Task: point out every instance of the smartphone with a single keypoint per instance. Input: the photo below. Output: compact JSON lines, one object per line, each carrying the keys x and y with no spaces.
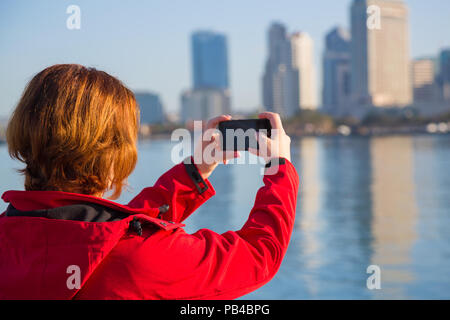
{"x":239,"y":135}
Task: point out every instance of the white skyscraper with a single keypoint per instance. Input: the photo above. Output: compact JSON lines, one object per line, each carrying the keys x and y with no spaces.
{"x":303,"y":62}
{"x":380,"y":53}
{"x":289,"y":78}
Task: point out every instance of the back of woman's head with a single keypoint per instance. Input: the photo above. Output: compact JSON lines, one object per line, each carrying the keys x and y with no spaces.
{"x":75,"y":129}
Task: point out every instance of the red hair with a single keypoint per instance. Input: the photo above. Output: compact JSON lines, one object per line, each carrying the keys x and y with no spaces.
{"x":75,"y":129}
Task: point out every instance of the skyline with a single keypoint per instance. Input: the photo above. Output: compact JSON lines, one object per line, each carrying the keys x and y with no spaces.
{"x":162,"y":63}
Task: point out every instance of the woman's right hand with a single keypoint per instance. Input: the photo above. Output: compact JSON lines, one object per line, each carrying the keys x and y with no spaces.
{"x":207,"y":163}
{"x":278,"y":145}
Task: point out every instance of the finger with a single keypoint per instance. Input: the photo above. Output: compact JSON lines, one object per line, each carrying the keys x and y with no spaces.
{"x":216,"y":145}
{"x":208,"y":138}
{"x":215,"y":121}
{"x":253,"y":151}
{"x":214,"y":138}
{"x":264,"y":142}
{"x":224,"y":155}
{"x":215,"y":141}
{"x":274,"y":118}
{"x":228,"y":155}
{"x":211,"y":136}
{"x":264,"y":145}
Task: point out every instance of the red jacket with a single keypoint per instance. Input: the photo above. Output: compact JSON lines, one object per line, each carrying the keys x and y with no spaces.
{"x":150,"y":259}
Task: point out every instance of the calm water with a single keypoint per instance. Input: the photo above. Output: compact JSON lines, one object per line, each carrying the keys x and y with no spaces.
{"x":363,"y":201}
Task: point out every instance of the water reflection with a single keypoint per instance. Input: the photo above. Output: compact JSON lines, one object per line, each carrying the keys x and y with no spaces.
{"x":347,"y":212}
{"x":309,"y":202}
{"x":431,"y":253}
{"x":394,"y":212}
{"x":334,"y":216}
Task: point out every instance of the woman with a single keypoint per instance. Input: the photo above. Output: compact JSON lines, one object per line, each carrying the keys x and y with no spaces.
{"x":75,"y":129}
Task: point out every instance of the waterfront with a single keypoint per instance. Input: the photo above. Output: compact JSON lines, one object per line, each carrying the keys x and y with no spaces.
{"x":363,"y":201}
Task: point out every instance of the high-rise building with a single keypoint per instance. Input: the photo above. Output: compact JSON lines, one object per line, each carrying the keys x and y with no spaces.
{"x":151,"y":108}
{"x":336,"y":71}
{"x":380,"y":53}
{"x":289,"y":81}
{"x":277,"y":70}
{"x":444,"y":74}
{"x":210,"y":95}
{"x":209,"y":60}
{"x":423,"y":77}
{"x":204,"y":104}
{"x":302,"y":53}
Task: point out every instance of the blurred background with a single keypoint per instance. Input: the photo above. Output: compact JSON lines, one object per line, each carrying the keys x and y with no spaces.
{"x":363,"y":87}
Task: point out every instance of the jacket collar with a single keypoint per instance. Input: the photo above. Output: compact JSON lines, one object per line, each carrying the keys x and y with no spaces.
{"x":38,"y":200}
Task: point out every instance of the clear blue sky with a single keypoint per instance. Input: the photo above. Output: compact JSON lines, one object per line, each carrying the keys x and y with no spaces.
{"x":146,"y":43}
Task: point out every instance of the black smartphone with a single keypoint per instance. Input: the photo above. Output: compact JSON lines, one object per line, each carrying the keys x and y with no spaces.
{"x":239,"y":135}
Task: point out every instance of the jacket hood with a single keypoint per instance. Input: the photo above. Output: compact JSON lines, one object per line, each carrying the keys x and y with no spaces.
{"x":45,"y":236}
